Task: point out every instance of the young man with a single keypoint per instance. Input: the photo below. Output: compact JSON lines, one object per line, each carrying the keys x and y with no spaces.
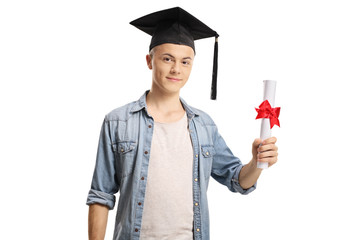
{"x":159,"y":152}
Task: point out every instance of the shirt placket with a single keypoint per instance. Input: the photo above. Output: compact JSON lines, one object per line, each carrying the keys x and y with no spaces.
{"x":196,"y":183}
{"x":143,"y":178}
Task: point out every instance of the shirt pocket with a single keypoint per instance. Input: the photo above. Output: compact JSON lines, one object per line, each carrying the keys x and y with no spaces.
{"x":207,"y":152}
{"x":125,"y":161}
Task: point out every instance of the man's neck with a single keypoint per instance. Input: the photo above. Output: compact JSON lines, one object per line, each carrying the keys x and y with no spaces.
{"x":164,"y":107}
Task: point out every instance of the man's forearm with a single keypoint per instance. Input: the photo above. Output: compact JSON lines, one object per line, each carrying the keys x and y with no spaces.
{"x":98,"y":215}
{"x":249,"y":174}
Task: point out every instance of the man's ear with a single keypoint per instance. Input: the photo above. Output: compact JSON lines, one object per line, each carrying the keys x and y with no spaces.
{"x":149,"y":61}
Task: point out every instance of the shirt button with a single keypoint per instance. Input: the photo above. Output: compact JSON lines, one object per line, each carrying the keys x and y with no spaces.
{"x":196,"y":179}
{"x":142,"y":178}
{"x":149,"y":126}
{"x":207,"y":153}
{"x":122,"y":150}
{"x":139,"y":203}
{"x":136,"y":230}
{"x":196,"y":204}
{"x":198,"y":229}
{"x":146,"y":152}
{"x":196,"y":155}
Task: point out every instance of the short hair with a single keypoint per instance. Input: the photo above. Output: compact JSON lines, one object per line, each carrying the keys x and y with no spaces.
{"x":152,"y":52}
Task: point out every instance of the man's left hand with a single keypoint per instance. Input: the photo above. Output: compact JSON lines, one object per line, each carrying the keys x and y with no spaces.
{"x":265,"y":151}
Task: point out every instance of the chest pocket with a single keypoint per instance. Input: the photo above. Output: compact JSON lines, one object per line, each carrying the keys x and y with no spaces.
{"x":125,"y":152}
{"x":207,"y":153}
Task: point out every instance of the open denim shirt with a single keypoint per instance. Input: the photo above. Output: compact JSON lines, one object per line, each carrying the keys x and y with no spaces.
{"x":123,"y":159}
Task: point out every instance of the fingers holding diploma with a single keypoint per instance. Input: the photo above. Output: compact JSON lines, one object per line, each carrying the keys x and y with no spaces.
{"x":265,"y":151}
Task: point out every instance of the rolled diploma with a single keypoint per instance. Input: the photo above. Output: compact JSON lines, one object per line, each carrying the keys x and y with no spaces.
{"x":265,"y":131}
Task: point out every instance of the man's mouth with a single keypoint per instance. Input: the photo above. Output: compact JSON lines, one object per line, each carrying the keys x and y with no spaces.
{"x":174,"y":79}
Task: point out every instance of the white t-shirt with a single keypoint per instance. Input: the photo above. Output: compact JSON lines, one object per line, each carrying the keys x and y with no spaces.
{"x":168,"y":205}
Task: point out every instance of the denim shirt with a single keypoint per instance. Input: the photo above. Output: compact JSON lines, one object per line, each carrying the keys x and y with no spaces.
{"x":123,"y":159}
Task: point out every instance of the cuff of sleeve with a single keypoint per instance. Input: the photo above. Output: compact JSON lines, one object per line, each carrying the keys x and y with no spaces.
{"x":101,"y":198}
{"x":236,"y":185}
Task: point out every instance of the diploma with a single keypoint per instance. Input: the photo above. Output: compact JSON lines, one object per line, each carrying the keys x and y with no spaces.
{"x":268,"y":114}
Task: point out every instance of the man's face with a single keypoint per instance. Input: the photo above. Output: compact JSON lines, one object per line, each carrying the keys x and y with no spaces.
{"x":171,"y":65}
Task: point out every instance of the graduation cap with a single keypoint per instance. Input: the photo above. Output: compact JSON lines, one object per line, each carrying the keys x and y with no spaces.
{"x":177,"y":26}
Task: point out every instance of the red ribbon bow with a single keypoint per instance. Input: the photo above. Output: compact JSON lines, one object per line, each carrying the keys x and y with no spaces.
{"x":266,"y":111}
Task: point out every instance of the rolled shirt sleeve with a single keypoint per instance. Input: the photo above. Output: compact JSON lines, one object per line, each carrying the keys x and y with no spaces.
{"x":104,"y":183}
{"x":101,"y":198}
{"x":236,"y":185}
{"x":226,"y":167}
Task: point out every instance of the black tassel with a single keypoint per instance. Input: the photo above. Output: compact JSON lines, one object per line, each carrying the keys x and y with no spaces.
{"x":215,"y":68}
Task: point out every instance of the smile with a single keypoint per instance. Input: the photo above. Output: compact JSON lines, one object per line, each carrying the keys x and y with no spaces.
{"x":174,"y":79}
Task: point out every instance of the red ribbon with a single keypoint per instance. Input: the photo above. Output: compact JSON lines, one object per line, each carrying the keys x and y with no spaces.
{"x":266,"y":111}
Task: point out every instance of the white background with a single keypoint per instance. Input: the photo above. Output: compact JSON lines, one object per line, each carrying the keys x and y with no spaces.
{"x":65,"y":64}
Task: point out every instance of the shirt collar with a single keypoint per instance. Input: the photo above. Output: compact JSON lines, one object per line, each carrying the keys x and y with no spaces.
{"x":141,"y":104}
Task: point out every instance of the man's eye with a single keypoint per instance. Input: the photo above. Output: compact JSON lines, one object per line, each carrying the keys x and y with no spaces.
{"x":186,"y":62}
{"x":166,"y":59}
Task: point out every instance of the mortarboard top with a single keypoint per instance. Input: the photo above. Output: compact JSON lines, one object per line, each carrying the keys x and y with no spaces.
{"x":177,"y":26}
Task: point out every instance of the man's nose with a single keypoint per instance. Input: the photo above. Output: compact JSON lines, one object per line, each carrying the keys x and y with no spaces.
{"x":175,"y":68}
